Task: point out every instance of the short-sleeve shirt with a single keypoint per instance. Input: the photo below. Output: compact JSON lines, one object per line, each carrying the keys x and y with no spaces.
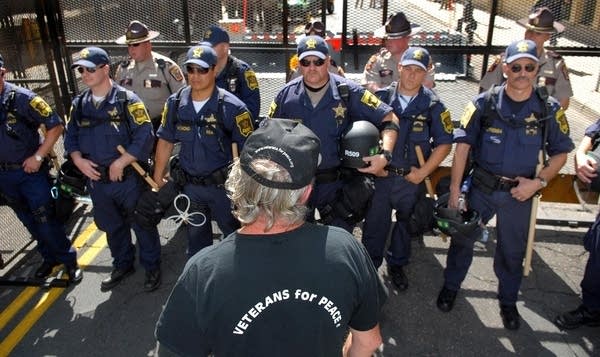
{"x":238,"y":78}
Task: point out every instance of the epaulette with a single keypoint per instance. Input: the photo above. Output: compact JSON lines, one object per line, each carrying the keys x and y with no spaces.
{"x":553,"y":54}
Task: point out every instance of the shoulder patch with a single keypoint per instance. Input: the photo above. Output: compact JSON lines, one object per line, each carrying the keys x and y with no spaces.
{"x":370,"y":100}
{"x":272,"y":109}
{"x":561,"y":119}
{"x":251,"y":80}
{"x":497,"y":62}
{"x":40,"y":106}
{"x":244,"y":123}
{"x":294,"y":62}
{"x":467,"y":115}
{"x":446,"y":121}
{"x":138,"y":113}
{"x":175,"y":72}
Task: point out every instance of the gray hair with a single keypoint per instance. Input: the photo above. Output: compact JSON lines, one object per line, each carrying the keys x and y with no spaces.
{"x":250,"y":199}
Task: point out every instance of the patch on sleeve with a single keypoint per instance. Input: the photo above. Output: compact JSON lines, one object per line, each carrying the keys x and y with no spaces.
{"x":251,"y":80}
{"x":175,"y":72}
{"x":272,"y":109}
{"x":40,"y":106}
{"x":370,"y":99}
{"x":561,"y":119}
{"x":244,"y":123}
{"x":467,"y":114}
{"x":138,"y":113}
{"x":497,"y":62}
{"x":294,"y":62}
{"x":447,"y":121}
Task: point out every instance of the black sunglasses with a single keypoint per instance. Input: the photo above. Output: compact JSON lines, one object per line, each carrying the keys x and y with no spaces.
{"x":318,"y":62}
{"x":196,"y":69}
{"x":80,"y":69}
{"x":516,"y":68}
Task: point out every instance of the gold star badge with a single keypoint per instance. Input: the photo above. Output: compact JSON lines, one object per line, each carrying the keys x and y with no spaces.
{"x":340,"y":111}
{"x":207,"y":34}
{"x":311,"y":43}
{"x":418,"y":54}
{"x":84,"y":53}
{"x":197,"y":52}
{"x":522,"y":46}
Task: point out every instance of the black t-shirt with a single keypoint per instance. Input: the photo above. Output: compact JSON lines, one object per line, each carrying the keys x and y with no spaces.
{"x":290,"y":294}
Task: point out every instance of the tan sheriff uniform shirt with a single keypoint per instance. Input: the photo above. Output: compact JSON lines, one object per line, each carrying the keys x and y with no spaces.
{"x":553,"y":73}
{"x":149,"y":81}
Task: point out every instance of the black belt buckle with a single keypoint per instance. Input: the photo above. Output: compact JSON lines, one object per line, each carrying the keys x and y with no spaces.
{"x":396,"y":171}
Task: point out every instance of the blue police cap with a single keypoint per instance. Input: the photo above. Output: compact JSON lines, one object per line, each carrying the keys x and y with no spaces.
{"x":201,"y":55}
{"x":521,"y":49}
{"x":416,"y":56}
{"x":215,"y":35}
{"x":312,"y":46}
{"x":91,"y":57}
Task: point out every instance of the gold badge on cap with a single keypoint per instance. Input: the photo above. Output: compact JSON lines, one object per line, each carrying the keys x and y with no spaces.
{"x":197,"y":52}
{"x":84,"y":53}
{"x":311,"y":43}
{"x":418,"y":55}
{"x":522,"y":46}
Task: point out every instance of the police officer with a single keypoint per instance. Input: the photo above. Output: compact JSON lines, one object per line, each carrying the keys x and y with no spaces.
{"x":327,"y":103}
{"x":152,"y":76}
{"x":382,"y":68}
{"x":233,"y":74}
{"x":506,"y":139}
{"x":426,"y":123}
{"x":24,"y":181}
{"x":588,"y":312}
{"x":211,"y":124}
{"x":553,"y":72}
{"x":103,"y":117}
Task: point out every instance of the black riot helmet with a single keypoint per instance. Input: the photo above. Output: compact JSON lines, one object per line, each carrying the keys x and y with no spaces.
{"x":71,"y":180}
{"x":361,"y":139}
{"x":451,"y":221}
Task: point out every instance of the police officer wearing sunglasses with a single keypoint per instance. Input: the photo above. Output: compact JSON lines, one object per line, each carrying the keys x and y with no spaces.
{"x":505,"y":143}
{"x":101,"y":118}
{"x":211,"y":124}
{"x":553,"y":72}
{"x":327,"y":104}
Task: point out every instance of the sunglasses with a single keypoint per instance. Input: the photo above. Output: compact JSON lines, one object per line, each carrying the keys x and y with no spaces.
{"x":318,"y":62}
{"x":136,"y":44}
{"x":516,"y":68}
{"x":196,"y":69}
{"x":81,"y":69}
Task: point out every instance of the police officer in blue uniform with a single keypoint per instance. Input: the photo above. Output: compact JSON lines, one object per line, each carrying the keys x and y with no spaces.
{"x":211,"y":124}
{"x":24,"y":181}
{"x":505,"y":130}
{"x":233,"y":74}
{"x":588,"y":312}
{"x":101,"y":118}
{"x":425,"y":122}
{"x":327,"y":103}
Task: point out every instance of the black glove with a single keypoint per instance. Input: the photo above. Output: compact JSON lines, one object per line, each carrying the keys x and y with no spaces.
{"x":421,"y":219}
{"x":167,"y":194}
{"x":148,"y":211}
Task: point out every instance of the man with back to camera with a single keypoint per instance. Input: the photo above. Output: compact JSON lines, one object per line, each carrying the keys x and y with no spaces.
{"x":425,"y":122}
{"x":553,"y":72}
{"x":505,"y":140}
{"x":24,"y":182}
{"x":152,"y":76}
{"x":266,"y":289}
{"x":327,"y":104}
{"x":233,"y":74}
{"x":101,"y":118}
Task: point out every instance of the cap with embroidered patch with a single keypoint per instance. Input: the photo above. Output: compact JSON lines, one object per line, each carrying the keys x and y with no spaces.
{"x":312,"y":46}
{"x":417,"y":56}
{"x":288,"y":143}
{"x":215,"y":35}
{"x":541,"y":20}
{"x":201,"y":55}
{"x":91,"y":57}
{"x":520,"y":49}
{"x":137,"y":32}
{"x":396,"y":26}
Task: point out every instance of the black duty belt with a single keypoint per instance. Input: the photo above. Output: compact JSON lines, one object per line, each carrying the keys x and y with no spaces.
{"x":488,"y":182}
{"x":9,"y":166}
{"x":328,"y":175}
{"x":216,"y":177}
{"x":395,"y":171}
{"x":105,"y":173}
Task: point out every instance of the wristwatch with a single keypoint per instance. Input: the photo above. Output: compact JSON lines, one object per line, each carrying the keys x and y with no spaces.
{"x":387,"y":154}
{"x":38,"y":158}
{"x":543,"y":182}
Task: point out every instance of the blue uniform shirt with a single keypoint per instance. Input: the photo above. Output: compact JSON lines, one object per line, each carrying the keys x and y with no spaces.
{"x":96,"y":131}
{"x":511,"y":148}
{"x":204,"y":147}
{"x":593,"y":130}
{"x":423,"y":119}
{"x":332,"y":115}
{"x":19,"y":120}
{"x":246,"y":84}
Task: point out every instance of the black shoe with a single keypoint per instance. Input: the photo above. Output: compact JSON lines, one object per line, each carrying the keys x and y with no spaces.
{"x":398,"y":277}
{"x":75,"y":274}
{"x":445,"y":300}
{"x":510,"y":317}
{"x":152,"y":281}
{"x":578,"y":317}
{"x":45,"y":269}
{"x":115,"y":278}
